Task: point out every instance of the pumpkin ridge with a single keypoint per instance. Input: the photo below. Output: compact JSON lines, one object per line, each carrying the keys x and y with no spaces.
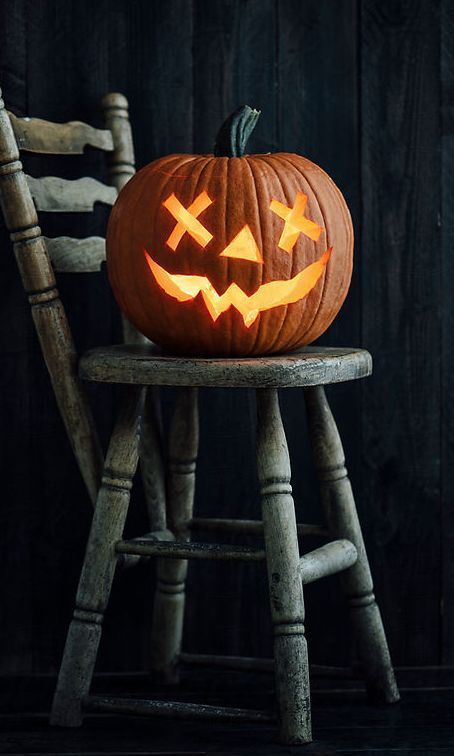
{"x":221,"y":200}
{"x":240,"y":192}
{"x":250,"y":162}
{"x":286,"y":192}
{"x":201,"y":182}
{"x":289,"y":195}
{"x":137,"y":281}
{"x":167,"y":178}
{"x":326,"y":273}
{"x":114,"y":266}
{"x":329,"y":317}
{"x":341,"y":204}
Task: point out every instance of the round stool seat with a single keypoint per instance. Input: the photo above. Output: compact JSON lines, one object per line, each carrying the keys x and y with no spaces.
{"x":147,"y":365}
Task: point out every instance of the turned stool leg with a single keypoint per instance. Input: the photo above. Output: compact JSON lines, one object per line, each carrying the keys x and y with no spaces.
{"x":340,"y":511}
{"x":99,"y":566}
{"x":168,"y":611}
{"x":285,"y":586}
{"x":151,"y":461}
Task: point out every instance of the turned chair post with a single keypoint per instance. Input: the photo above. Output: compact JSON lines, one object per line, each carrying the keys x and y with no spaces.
{"x":121,"y":168}
{"x":121,"y":162}
{"x":168,"y":611}
{"x":342,"y":518}
{"x":47,"y":309}
{"x":100,"y":561}
{"x":283,"y":566}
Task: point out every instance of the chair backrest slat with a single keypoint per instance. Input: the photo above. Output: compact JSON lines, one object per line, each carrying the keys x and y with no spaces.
{"x":45,"y":137}
{"x":70,"y":255}
{"x":48,"y":313}
{"x":56,"y":195}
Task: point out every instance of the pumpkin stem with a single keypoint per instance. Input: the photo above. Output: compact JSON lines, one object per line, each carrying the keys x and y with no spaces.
{"x":235,"y":131}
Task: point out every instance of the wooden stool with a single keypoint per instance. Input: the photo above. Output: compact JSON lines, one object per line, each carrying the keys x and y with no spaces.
{"x":311,"y":368}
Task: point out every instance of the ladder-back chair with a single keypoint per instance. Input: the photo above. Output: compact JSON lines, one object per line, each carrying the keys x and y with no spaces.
{"x":38,"y":257}
{"x":140,"y":367}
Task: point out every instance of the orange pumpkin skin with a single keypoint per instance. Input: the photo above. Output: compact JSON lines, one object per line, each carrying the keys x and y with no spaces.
{"x":241,"y":190}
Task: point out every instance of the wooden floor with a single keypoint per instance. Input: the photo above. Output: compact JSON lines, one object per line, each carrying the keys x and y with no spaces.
{"x":343,"y":722}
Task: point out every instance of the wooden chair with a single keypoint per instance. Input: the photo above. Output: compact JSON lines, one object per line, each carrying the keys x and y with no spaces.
{"x":140,"y":368}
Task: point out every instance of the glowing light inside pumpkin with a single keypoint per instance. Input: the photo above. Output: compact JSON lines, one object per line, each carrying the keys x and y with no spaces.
{"x":244,"y":247}
{"x":295,"y":222}
{"x":187,"y":220}
{"x":268,"y":295}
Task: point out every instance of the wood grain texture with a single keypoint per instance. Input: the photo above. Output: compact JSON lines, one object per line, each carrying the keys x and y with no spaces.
{"x":172,"y":709}
{"x":291,"y":666}
{"x":145,"y":365}
{"x":447,"y":333}
{"x":176,"y":551}
{"x":318,"y":75}
{"x":400,"y":283}
{"x":233,"y":62}
{"x":327,"y":560}
{"x":99,"y":564}
{"x":47,"y":310}
{"x":170,"y":595}
{"x":342,"y":518}
{"x":45,"y":137}
{"x":56,"y":195}
{"x":70,"y":255}
{"x":247,"y":527}
{"x":356,"y":86}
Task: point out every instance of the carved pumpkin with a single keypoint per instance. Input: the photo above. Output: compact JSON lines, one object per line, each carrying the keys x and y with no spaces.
{"x":230,"y":254}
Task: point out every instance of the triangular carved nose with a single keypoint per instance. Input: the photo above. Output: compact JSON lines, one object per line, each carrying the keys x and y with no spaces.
{"x":244,"y":247}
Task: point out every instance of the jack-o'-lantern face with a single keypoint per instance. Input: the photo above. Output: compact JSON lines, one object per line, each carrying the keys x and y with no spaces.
{"x":243,"y":246}
{"x":217,"y":255}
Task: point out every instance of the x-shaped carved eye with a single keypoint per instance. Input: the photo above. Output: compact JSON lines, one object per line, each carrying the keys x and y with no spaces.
{"x":187,"y":220}
{"x":243,"y":245}
{"x":295,"y":222}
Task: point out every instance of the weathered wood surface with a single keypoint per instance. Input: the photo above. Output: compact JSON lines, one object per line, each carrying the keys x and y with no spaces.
{"x":423,"y":724}
{"x":122,"y":159}
{"x":169,"y":600}
{"x":172,"y":709}
{"x":342,"y":518}
{"x":121,"y":167}
{"x":390,"y":102}
{"x":99,"y":565}
{"x":45,"y":137}
{"x":247,"y":527}
{"x":447,"y":332}
{"x":146,"y":365}
{"x":327,"y":560}
{"x":403,"y":408}
{"x":152,"y":459}
{"x":47,"y":310}
{"x":291,"y":665}
{"x":258,"y":664}
{"x":52,"y":194}
{"x":126,"y":560}
{"x":216,"y":551}
{"x":70,"y":255}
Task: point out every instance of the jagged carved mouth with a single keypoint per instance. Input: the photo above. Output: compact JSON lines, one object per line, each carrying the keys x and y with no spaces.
{"x":272,"y":294}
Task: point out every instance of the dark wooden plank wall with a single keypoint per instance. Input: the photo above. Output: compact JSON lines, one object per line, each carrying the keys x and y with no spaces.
{"x":400,"y":284}
{"x":356,"y":87}
{"x":447,"y":331}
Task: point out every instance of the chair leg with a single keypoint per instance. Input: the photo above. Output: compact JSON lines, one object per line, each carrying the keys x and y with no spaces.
{"x":99,"y":566}
{"x":151,"y":460}
{"x":342,"y":518}
{"x":168,"y":610}
{"x":285,"y":586}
